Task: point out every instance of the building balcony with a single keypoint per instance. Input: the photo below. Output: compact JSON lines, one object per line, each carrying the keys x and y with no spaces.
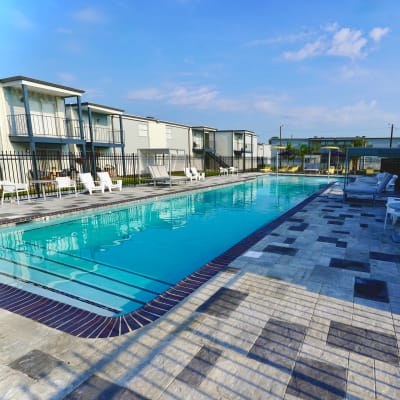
{"x":102,"y":134}
{"x":43,"y":126}
{"x":46,"y":128}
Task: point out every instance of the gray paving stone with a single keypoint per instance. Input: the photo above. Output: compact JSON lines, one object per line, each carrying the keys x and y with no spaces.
{"x":197,"y":369}
{"x":312,"y":379}
{"x":278,"y":344}
{"x":96,"y":388}
{"x":36,"y":364}
{"x":223,"y":302}
{"x":379,"y":346}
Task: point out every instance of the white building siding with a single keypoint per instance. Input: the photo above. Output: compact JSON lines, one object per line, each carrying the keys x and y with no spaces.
{"x":223,"y":144}
{"x":134,"y":135}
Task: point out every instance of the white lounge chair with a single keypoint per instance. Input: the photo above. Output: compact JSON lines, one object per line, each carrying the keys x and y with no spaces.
{"x":89,"y":184}
{"x":391,"y":186}
{"x":189,"y":175}
{"x":392,"y":210}
{"x":363,"y":188}
{"x":223,"y":171}
{"x":198,"y":175}
{"x":108,"y":183}
{"x":234,"y":170}
{"x":11,"y":188}
{"x":159,"y":173}
{"x":64,"y":182}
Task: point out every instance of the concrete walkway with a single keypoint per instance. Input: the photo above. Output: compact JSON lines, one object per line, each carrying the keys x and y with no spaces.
{"x":310,"y":310}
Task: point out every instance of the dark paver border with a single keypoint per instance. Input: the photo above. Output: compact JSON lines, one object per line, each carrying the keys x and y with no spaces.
{"x":86,"y":324}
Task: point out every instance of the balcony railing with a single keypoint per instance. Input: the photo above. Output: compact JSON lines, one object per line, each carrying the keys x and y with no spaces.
{"x":61,"y":128}
{"x":43,"y":125}
{"x":106,"y":135}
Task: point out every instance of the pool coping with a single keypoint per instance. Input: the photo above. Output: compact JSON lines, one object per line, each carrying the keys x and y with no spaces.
{"x":87,"y":324}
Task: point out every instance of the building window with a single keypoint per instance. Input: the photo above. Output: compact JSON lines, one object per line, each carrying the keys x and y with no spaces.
{"x":143,"y":130}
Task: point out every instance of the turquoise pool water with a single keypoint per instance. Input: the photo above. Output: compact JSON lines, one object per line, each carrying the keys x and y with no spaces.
{"x":114,"y":261}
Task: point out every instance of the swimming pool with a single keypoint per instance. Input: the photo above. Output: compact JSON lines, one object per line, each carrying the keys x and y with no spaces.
{"x":113,"y":262}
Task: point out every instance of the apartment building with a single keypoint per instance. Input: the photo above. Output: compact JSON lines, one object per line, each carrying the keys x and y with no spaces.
{"x":40,"y":119}
{"x":33,"y":116}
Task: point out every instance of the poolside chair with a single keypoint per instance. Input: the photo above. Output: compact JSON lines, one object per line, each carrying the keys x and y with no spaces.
{"x":392,"y":210}
{"x":64,"y":182}
{"x":89,"y":184}
{"x":160,"y":174}
{"x":330,"y":170}
{"x":390,"y":187}
{"x":108,"y":183}
{"x":11,"y":188}
{"x":367,"y":189}
{"x":189,"y":175}
{"x":223,"y":171}
{"x":234,"y":170}
{"x":198,"y":175}
{"x":266,"y":169}
{"x":293,"y":169}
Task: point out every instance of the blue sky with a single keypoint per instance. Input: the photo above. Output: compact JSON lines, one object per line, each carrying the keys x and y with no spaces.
{"x":317,"y":67}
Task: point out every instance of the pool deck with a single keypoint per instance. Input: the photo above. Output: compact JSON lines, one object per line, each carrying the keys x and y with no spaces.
{"x":307,"y":307}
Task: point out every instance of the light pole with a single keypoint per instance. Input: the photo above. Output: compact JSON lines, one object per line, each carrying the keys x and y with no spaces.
{"x":280,"y":135}
{"x":391,"y":136}
{"x":278,"y":149}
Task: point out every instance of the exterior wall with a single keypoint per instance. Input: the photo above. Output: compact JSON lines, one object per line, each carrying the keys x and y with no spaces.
{"x":136,"y":134}
{"x":179,"y":137}
{"x":264,"y":150}
{"x":157,"y":135}
{"x":223,"y":143}
{"x":142,"y":133}
{"x":5,"y":144}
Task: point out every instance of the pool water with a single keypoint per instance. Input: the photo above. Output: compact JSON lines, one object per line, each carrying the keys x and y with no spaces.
{"x":114,"y":261}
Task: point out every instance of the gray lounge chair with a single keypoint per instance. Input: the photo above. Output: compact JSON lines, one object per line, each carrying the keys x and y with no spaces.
{"x":367,"y":189}
{"x":160,"y":174}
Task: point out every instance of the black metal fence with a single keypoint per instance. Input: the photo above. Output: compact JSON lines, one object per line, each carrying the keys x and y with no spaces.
{"x":28,"y":167}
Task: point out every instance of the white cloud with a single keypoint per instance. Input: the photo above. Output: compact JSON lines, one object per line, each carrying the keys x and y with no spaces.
{"x":337,"y":42}
{"x":347,"y":43}
{"x":200,"y":97}
{"x":309,"y":50}
{"x":274,"y":105}
{"x":89,"y":14}
{"x":376,"y":34}
{"x":293,"y":38}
